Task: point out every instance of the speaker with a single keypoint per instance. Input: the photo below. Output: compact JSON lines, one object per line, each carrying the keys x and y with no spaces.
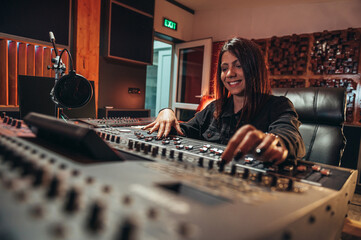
{"x":129,"y":31}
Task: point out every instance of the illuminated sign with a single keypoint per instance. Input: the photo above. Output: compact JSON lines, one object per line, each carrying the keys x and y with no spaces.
{"x":169,"y":24}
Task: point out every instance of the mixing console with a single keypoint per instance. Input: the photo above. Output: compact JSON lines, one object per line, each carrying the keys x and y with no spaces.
{"x":172,"y":188}
{"x":207,"y":155}
{"x":14,"y":127}
{"x":116,"y":121}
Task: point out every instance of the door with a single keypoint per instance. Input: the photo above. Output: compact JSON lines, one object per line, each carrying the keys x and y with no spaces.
{"x":163,"y":79}
{"x":159,"y":77}
{"x":192,"y":62}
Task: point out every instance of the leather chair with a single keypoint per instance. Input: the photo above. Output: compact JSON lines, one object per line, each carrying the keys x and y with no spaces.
{"x":322,"y":113}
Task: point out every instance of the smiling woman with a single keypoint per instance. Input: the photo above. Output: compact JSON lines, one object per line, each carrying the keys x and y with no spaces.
{"x":241,"y":61}
{"x":245,"y":115}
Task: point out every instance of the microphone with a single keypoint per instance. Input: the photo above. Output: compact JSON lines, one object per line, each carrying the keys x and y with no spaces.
{"x":71,"y":90}
{"x":52,"y":37}
{"x":52,"y":40}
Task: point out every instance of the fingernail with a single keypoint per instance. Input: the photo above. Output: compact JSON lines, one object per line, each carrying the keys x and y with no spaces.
{"x":238,"y":156}
{"x":259,"y":151}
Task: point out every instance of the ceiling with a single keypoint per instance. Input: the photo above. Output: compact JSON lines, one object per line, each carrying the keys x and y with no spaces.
{"x":199,"y":5}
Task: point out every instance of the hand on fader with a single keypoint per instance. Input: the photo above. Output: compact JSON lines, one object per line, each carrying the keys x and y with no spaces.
{"x":164,"y":122}
{"x":248,"y":139}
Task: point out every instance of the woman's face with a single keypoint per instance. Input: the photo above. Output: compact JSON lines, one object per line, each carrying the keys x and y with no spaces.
{"x":232,"y":74}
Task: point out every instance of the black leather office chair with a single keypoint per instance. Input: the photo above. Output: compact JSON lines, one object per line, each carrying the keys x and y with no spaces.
{"x":322,"y":113}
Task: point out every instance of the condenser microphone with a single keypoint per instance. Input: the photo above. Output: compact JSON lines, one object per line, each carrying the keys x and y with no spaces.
{"x":70,"y":90}
{"x":52,"y":37}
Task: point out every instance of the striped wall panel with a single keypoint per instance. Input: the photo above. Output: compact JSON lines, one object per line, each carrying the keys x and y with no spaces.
{"x":21,"y":58}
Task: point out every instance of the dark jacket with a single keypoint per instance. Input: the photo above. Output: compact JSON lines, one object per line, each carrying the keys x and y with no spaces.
{"x":277,"y":116}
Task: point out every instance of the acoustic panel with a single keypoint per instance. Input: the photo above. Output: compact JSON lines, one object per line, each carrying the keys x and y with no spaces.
{"x":130,"y":35}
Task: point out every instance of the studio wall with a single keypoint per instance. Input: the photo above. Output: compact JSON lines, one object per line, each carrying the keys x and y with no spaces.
{"x":184,"y":20}
{"x":275,"y":18}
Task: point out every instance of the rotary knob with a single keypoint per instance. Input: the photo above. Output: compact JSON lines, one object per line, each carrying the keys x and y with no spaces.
{"x":95,"y":220}
{"x":245,"y":174}
{"x":40,"y":176}
{"x":108,"y":137}
{"x":221,"y":165}
{"x":180,"y":156}
{"x":155,"y":151}
{"x":200,"y":162}
{"x":128,"y":229}
{"x":72,"y":200}
{"x":210,"y":164}
{"x":171,"y":154}
{"x":233,"y":170}
{"x":54,"y":187}
{"x":145,"y":149}
{"x":28,"y":167}
{"x":130,"y":144}
{"x":137,"y":146}
{"x":164,"y":152}
{"x":259,"y":177}
{"x":6,"y":119}
{"x":14,"y":122}
{"x":290,"y":185}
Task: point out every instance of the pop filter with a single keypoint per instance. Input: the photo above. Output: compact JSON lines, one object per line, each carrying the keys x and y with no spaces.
{"x":73,"y":90}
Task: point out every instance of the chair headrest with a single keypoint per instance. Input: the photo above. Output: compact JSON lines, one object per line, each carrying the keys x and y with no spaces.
{"x":318,"y":105}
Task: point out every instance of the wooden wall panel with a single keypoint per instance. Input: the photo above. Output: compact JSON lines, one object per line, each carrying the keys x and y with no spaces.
{"x":3,"y":72}
{"x":22,"y":59}
{"x":30,"y":68}
{"x":86,"y":36}
{"x":13,"y":72}
{"x":47,"y":62}
{"x":39,"y":61}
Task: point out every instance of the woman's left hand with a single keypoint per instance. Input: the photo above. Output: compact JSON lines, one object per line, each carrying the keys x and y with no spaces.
{"x":248,"y":139}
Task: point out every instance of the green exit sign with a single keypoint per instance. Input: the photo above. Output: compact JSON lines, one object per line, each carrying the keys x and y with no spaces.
{"x":169,"y":24}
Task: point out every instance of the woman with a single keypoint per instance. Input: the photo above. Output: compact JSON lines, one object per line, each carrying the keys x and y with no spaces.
{"x":245,"y":115}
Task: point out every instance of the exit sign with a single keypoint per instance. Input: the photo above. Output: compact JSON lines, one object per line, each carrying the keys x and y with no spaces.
{"x":169,"y":24}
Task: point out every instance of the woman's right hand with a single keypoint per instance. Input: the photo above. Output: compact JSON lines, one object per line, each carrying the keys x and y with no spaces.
{"x":164,"y":122}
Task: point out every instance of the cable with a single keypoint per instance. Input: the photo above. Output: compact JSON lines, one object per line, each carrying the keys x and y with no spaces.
{"x":70,"y":62}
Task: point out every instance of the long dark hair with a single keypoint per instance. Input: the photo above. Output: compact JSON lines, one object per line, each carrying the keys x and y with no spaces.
{"x":257,"y":84}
